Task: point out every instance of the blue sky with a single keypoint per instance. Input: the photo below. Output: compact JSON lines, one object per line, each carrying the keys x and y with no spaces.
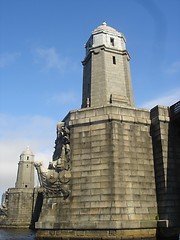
{"x":41,"y":49}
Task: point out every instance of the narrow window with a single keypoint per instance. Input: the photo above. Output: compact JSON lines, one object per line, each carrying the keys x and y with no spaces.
{"x":114,"y":60}
{"x":27,"y":158}
{"x":26,"y":186}
{"x":112,"y":41}
{"x":88,"y":89}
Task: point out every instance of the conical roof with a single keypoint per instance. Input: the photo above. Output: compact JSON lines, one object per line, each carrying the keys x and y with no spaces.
{"x":105,"y":28}
{"x":27,"y":151}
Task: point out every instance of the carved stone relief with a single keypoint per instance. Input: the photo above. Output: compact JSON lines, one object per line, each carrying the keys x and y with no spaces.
{"x":55,"y":180}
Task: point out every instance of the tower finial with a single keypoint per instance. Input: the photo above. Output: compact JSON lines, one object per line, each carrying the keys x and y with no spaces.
{"x":104,"y":23}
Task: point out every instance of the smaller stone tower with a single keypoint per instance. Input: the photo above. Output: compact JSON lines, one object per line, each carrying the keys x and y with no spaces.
{"x":19,"y":201}
{"x":25,"y":175}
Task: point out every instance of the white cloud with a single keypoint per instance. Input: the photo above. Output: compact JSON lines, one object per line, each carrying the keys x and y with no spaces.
{"x":8,"y":58}
{"x":51,"y":58}
{"x":18,"y":132}
{"x":167,"y":99}
{"x":174,"y":68}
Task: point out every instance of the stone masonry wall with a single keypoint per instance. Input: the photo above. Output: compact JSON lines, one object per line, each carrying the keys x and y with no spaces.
{"x":19,"y":208}
{"x":86,"y":82}
{"x":112,"y":169}
{"x":98,"y":80}
{"x":112,"y":184}
{"x":166,"y":142}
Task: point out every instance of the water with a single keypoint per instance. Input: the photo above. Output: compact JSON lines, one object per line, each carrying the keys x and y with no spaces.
{"x":20,"y":234}
{"x":24,"y":234}
{"x":17,"y":234}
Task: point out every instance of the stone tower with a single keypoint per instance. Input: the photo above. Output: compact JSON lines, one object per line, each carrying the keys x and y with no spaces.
{"x":25,"y":175}
{"x":106,"y":69}
{"x":19,"y":201}
{"x":111,"y":183}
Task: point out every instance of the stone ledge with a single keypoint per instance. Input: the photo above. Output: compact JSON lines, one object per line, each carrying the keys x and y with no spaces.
{"x":108,"y":112}
{"x":103,"y":225}
{"x":97,"y":234}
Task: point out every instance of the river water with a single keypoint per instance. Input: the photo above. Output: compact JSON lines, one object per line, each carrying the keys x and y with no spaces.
{"x":17,"y":234}
{"x":21,"y":234}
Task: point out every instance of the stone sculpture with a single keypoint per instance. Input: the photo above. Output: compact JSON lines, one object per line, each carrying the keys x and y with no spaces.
{"x":54,"y":181}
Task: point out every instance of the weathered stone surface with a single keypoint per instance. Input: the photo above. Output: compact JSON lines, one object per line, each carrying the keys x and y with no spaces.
{"x":19,"y":208}
{"x":112,"y":184}
{"x":166,"y":142}
{"x":98,"y":234}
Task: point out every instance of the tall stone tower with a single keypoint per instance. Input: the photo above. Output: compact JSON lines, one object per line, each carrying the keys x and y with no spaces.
{"x":25,"y":175}
{"x":104,"y":155}
{"x":106,"y":69}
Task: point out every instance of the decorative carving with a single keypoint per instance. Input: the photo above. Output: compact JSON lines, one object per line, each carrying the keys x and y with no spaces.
{"x":62,"y":140}
{"x":4,"y":204}
{"x":55,"y":180}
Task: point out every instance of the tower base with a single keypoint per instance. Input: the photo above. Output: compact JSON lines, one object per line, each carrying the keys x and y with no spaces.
{"x":103,"y":234}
